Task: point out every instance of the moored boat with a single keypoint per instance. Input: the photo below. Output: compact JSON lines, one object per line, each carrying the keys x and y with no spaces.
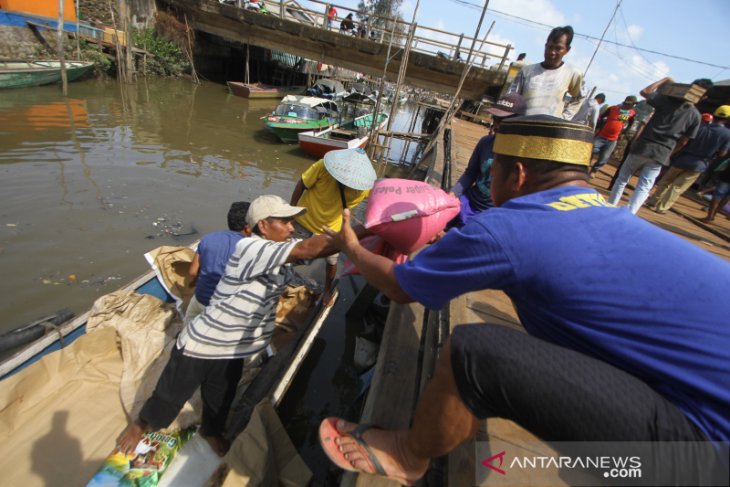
{"x":328,"y":88}
{"x":22,"y":74}
{"x":350,"y":135}
{"x":299,"y":114}
{"x":260,"y":90}
{"x":90,"y":387}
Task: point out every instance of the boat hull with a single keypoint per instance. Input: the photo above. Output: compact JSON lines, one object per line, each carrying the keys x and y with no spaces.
{"x":262,"y":91}
{"x":21,"y":74}
{"x":288,"y":132}
{"x":318,"y":143}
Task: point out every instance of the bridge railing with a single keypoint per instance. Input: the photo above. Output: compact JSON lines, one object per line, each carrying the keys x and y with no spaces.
{"x":427,"y":40}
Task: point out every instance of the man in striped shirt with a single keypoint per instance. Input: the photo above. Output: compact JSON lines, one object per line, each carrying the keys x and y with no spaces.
{"x":238,"y":323}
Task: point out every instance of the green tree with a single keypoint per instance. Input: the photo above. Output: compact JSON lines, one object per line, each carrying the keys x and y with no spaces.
{"x":380,"y":15}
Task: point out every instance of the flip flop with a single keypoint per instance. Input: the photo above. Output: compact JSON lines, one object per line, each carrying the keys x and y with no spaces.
{"x":328,"y":433}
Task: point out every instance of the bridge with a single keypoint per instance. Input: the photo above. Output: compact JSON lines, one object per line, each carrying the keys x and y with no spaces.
{"x":289,"y":28}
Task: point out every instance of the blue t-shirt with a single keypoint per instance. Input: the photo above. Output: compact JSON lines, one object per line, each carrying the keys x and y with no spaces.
{"x":697,"y":154}
{"x":597,"y":279}
{"x":214,"y":250}
{"x":477,"y":178}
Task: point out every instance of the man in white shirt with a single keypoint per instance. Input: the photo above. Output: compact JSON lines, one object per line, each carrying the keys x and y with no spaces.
{"x":544,"y":85}
{"x":589,"y":111}
{"x":237,"y":324}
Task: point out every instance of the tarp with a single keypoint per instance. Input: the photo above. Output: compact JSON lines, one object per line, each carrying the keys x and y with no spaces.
{"x":60,"y":417}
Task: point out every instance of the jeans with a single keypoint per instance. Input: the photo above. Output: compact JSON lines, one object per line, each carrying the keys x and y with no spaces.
{"x":604,"y":148}
{"x":649,"y":171}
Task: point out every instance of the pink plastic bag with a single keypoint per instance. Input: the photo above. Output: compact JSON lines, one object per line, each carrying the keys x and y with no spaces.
{"x":378,"y":246}
{"x":407,"y":213}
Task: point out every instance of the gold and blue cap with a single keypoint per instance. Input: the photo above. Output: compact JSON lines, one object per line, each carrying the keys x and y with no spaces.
{"x":545,"y":137}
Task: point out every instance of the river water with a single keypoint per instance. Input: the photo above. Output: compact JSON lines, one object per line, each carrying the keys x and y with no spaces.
{"x":91,"y":182}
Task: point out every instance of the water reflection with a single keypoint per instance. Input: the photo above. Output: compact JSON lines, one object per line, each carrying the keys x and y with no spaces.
{"x":85,"y":179}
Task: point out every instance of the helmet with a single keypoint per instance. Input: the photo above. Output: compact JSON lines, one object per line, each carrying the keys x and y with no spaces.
{"x":723,"y":111}
{"x":707,"y":117}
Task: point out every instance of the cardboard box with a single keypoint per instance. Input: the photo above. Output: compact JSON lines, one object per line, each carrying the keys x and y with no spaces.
{"x":691,"y":93}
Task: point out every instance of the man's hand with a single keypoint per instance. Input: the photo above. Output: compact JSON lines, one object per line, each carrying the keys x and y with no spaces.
{"x":346,"y":238}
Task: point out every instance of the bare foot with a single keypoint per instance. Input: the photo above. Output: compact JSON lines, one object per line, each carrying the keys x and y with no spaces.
{"x":219,"y":444}
{"x":389,"y":449}
{"x":129,"y":438}
{"x":328,"y":299}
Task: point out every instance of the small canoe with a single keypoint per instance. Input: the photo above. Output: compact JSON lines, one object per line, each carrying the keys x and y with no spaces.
{"x":260,"y":90}
{"x":22,"y":74}
{"x":345,"y":136}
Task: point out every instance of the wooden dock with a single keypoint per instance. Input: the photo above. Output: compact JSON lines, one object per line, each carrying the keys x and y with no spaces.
{"x":413,"y":334}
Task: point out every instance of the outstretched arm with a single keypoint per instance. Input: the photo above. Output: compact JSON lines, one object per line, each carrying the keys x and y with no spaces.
{"x":297,"y":193}
{"x":655,"y":86}
{"x":377,"y":270}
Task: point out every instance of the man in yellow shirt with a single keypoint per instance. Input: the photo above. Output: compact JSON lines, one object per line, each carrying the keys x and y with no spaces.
{"x":342,"y":179}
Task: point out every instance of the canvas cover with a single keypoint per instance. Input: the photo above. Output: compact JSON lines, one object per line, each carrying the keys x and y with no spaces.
{"x":60,"y":417}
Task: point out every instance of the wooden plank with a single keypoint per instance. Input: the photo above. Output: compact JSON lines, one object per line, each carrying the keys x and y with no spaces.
{"x":688,"y":92}
{"x":391,"y":401}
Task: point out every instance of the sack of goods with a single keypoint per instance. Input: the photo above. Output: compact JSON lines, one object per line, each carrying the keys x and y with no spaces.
{"x":407,"y":214}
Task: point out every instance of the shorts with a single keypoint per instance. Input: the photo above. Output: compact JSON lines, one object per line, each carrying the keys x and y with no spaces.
{"x":721,"y":190}
{"x":561,"y":395}
{"x":301,"y":232}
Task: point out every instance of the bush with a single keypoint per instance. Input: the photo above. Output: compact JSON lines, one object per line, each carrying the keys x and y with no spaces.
{"x":167,"y":57}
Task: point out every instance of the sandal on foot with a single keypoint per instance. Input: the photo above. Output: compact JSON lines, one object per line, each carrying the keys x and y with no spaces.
{"x":328,"y":433}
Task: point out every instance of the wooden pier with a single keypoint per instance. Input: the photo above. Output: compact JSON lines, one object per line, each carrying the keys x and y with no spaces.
{"x":414,"y":334}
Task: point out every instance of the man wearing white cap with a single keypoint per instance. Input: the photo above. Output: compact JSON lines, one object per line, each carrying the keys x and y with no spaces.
{"x":237,"y":324}
{"x":341,"y":180}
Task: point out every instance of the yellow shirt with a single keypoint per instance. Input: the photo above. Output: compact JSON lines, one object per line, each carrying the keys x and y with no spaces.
{"x":322,"y":199}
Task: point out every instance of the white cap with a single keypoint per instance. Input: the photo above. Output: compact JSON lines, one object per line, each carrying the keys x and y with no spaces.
{"x":268,"y":206}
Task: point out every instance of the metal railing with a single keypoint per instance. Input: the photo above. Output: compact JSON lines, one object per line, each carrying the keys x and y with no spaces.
{"x":426,"y":40}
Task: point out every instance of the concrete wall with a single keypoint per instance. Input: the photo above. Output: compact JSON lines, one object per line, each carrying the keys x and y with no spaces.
{"x":20,"y":43}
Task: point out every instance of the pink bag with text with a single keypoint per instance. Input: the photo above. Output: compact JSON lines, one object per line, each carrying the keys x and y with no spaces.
{"x":378,"y":246}
{"x":407,"y":214}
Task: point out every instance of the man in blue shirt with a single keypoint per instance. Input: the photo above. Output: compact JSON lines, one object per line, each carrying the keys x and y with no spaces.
{"x":626,"y":350}
{"x":711,"y":144}
{"x":473,"y":187}
{"x":211,"y":258}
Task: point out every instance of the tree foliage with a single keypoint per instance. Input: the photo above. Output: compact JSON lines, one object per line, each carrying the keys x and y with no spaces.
{"x":379,"y":14}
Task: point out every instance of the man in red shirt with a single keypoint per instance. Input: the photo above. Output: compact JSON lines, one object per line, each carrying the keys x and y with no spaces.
{"x":613,"y":121}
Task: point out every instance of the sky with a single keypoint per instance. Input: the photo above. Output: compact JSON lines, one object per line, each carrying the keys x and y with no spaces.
{"x":697,"y":30}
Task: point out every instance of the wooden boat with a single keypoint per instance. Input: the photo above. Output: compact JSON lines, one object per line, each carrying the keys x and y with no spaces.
{"x":21,"y":74}
{"x":344,"y":136}
{"x":328,"y":88}
{"x":271,"y":382}
{"x":299,"y":114}
{"x":260,"y":90}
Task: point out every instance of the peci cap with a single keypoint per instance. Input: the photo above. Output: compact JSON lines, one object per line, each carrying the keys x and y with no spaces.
{"x":508,"y":105}
{"x":545,"y":137}
{"x":268,"y":206}
{"x":631,"y":100}
{"x":351,"y":167}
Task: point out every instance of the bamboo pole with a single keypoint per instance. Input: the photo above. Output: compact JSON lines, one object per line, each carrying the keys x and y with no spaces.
{"x":61,"y":54}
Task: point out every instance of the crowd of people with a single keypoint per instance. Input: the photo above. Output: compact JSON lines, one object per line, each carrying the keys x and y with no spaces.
{"x":627,"y":324}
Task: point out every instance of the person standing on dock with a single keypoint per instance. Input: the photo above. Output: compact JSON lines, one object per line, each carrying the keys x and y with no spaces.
{"x":711,"y":145}
{"x":341,"y":180}
{"x":674,"y":123}
{"x":474,"y":186}
{"x":211,"y":258}
{"x":616,"y":350}
{"x":331,"y":16}
{"x":235,"y":327}
{"x":614,"y":121}
{"x":544,"y":85}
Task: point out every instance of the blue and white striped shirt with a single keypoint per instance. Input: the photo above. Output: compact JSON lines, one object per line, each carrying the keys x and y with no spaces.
{"x":241,"y":315}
